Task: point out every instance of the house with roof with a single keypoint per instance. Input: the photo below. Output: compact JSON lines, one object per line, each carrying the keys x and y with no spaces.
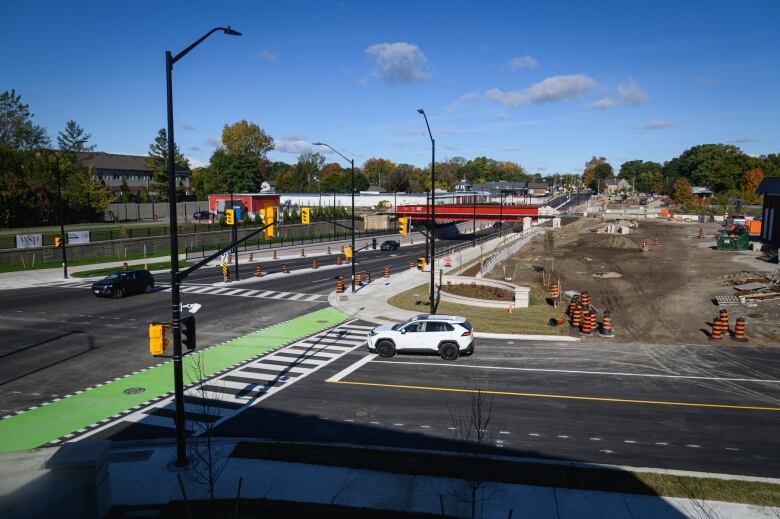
{"x":110,"y":169}
{"x":616,"y":185}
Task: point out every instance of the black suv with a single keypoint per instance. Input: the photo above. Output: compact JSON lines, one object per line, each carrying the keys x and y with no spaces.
{"x":390,"y":245}
{"x":202,"y":215}
{"x":124,"y":282}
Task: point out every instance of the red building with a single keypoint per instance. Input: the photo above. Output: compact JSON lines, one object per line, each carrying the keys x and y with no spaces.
{"x":251,"y":202}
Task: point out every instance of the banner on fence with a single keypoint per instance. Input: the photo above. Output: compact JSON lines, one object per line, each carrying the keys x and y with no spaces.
{"x":78,"y":237}
{"x":29,"y":241}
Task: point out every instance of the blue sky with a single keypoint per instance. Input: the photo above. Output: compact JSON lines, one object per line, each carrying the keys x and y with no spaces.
{"x":547,"y":85}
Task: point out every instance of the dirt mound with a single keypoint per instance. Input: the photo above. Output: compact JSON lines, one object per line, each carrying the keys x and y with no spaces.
{"x":616,"y":241}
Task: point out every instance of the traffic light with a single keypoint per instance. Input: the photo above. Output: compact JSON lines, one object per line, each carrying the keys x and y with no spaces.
{"x":373,"y":243}
{"x":158,"y":338}
{"x":269,"y":218}
{"x":58,"y":241}
{"x":403,"y":225}
{"x":305,"y":214}
{"x":188,"y":332}
{"x":420,"y":263}
{"x":230,"y":216}
{"x":347,"y":252}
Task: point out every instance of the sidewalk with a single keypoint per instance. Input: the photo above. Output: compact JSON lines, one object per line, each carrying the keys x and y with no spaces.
{"x":145,"y":476}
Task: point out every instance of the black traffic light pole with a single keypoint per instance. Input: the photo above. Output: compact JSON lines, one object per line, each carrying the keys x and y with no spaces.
{"x":178,"y":373}
{"x":433,"y":212}
{"x":354,"y":251}
{"x":63,"y":236}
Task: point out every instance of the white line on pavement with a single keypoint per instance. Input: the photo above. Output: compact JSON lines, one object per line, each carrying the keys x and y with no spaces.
{"x":581,"y":372}
{"x":349,"y":369}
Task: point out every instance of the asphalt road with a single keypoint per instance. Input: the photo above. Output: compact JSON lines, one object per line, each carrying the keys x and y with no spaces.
{"x":707,"y":409}
{"x":58,"y":340}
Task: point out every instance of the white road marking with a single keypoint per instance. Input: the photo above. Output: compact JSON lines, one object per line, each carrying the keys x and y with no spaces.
{"x":662,"y":443}
{"x":563,"y":436}
{"x":504,"y":432}
{"x":581,"y":372}
{"x":349,"y":369}
{"x":693,"y":446}
{"x":533,"y":434}
{"x":398,"y":424}
{"x":606,"y":451}
{"x":629,"y":441}
{"x":595,"y":439}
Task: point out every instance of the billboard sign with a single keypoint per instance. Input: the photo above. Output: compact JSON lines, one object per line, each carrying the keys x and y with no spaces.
{"x":29,"y":241}
{"x":78,"y":237}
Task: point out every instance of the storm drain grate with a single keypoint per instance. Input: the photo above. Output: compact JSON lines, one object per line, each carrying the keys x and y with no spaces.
{"x":134,"y":390}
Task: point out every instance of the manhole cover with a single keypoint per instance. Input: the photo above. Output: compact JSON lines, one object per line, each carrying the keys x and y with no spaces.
{"x":134,"y":390}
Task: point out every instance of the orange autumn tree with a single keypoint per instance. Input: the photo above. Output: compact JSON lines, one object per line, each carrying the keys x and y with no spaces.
{"x":750,"y":182}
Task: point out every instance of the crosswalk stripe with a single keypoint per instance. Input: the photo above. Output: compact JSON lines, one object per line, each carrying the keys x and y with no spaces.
{"x":266,"y":293}
{"x":278,"y":367}
{"x":316,"y":353}
{"x":201,"y":290}
{"x":233,"y":292}
{"x":219,"y":291}
{"x":250,"y":293}
{"x":281,"y":295}
{"x":296,"y":360}
{"x":312,"y":297}
{"x":295,"y":297}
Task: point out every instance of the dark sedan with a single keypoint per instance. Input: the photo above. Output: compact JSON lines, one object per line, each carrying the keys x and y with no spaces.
{"x":390,"y":245}
{"x":124,"y":282}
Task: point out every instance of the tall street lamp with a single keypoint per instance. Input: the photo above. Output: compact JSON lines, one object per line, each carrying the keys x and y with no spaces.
{"x":433,"y":211}
{"x":352,"y":164}
{"x":178,"y":375}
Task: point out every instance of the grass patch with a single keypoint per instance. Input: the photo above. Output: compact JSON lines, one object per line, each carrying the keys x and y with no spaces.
{"x":478,"y":291}
{"x":165,"y":265}
{"x":16,"y":267}
{"x":524,"y":473}
{"x":531,"y":320}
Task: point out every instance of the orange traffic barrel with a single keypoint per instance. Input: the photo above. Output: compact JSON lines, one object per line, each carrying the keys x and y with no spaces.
{"x":368,"y":276}
{"x":285,"y":269}
{"x":274,"y":255}
{"x":258,"y":271}
{"x":723,"y":316}
{"x":585,"y":299}
{"x":606,"y":324}
{"x":358,"y":280}
{"x":387,"y":272}
{"x":556,"y":321}
{"x":340,"y":284}
{"x":314,"y":263}
{"x":656,"y":239}
{"x":716,"y":332}
{"x":576,"y":316}
{"x":701,"y":233}
{"x":586,"y":326}
{"x":302,"y":252}
{"x":338,"y":260}
{"x":739,"y":330}
{"x":412,"y":265}
{"x":554,"y":291}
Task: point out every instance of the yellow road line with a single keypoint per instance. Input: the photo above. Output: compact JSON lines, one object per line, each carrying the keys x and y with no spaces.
{"x":562,"y":397}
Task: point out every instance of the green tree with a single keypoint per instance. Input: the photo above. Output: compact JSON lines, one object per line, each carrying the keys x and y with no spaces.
{"x":74,"y":138}
{"x":157,"y":162}
{"x":247,"y":140}
{"x":377,"y":169}
{"x":17,"y":130}
{"x":682,"y":192}
{"x":306,"y":171}
{"x":597,"y":171}
{"x":124,"y":191}
{"x":720,"y":167}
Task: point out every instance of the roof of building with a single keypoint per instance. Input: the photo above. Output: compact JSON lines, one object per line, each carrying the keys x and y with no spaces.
{"x":770,"y":185}
{"x":701,"y":190}
{"x":538,"y":185}
{"x":115,"y":161}
{"x":500,"y":185}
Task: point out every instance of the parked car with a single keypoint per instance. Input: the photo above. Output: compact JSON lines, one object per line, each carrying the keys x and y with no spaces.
{"x":124,"y":282}
{"x":390,"y":245}
{"x":450,"y":336}
{"x":203,"y":215}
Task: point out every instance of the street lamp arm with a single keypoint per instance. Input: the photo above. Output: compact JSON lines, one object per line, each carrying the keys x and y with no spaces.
{"x":420,"y":110}
{"x":227,"y":30}
{"x":334,"y":150}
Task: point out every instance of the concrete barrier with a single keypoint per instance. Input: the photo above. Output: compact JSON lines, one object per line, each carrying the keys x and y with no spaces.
{"x":521,"y":294}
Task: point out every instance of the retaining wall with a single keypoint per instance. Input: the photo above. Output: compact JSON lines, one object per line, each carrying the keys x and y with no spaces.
{"x":521,"y":298}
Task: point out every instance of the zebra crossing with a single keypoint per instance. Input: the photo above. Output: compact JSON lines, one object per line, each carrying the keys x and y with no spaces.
{"x":216,"y":291}
{"x":208,"y":403}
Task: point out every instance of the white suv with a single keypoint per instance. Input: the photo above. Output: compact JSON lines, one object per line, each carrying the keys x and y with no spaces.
{"x":448,"y":335}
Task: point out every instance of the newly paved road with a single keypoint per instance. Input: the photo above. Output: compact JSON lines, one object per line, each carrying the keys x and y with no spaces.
{"x":704,"y":408}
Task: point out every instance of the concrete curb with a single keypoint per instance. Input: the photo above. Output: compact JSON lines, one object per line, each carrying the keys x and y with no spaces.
{"x":525,"y":337}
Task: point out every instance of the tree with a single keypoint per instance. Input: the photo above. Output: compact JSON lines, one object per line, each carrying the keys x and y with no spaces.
{"x":597,"y":171}
{"x":74,"y":138}
{"x":17,"y":131}
{"x":397,"y":180}
{"x":376,"y":169}
{"x":246,"y":140}
{"x":718,"y":166}
{"x":306,"y":171}
{"x":124,"y":191}
{"x":753,"y":178}
{"x":157,"y":162}
{"x":682,"y":192}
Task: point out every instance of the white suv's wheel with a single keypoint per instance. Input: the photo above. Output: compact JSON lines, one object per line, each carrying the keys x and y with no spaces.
{"x":385,"y":349}
{"x":448,"y":351}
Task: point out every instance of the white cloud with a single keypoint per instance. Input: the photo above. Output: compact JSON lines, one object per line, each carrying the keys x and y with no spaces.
{"x":399,"y":62}
{"x":214,"y":142}
{"x":631,"y":94}
{"x":604,"y":103}
{"x":195,"y":163}
{"x":294,"y":144}
{"x":522,"y":62}
{"x":555,"y":88}
{"x":657,"y":125}
{"x":268,"y":55}
{"x":463,"y":99}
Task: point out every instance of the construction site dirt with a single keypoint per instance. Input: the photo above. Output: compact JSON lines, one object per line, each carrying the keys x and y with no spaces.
{"x":663,"y":296}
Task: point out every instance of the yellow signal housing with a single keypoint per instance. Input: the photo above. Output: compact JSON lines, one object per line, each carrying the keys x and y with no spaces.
{"x":421,"y":263}
{"x":230,"y":216}
{"x":58,"y":241}
{"x":305,"y":215}
{"x":269,"y":218}
{"x":158,"y":338}
{"x":403,"y":225}
{"x":348,"y":252}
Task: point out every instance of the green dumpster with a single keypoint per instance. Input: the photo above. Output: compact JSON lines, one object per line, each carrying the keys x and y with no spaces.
{"x":733,"y":241}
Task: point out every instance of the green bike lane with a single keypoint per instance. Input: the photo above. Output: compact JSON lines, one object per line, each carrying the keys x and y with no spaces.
{"x":50,"y":421}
